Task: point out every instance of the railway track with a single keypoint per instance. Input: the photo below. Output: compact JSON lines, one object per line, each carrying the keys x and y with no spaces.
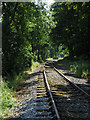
{"x":71,"y":101}
{"x":58,"y":98}
{"x":46,"y":108}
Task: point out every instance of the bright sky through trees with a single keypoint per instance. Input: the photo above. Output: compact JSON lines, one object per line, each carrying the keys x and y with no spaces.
{"x":49,"y":2}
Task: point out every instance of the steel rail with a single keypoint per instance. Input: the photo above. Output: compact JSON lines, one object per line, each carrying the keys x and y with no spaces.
{"x":67,"y":79}
{"x":54,"y":105}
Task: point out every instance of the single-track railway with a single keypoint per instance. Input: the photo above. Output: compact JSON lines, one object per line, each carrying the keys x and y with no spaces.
{"x":71,"y":101}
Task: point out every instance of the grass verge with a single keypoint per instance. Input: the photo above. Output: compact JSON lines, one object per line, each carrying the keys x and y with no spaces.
{"x":9,"y":88}
{"x":80,"y":67}
{"x":6,"y":99}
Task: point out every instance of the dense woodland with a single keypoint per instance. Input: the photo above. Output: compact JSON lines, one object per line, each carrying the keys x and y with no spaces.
{"x":72,"y":28}
{"x":30,"y":32}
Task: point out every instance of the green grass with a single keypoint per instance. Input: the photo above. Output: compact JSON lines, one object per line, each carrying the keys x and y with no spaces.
{"x":16,"y":80}
{"x":80,"y":67}
{"x":34,"y":66}
{"x":6,"y":99}
{"x":8,"y":90}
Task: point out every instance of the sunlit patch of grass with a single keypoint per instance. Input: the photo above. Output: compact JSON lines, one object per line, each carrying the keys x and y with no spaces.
{"x":34,"y":66}
{"x":49,"y":59}
{"x":60,"y":58}
{"x":6,"y":99}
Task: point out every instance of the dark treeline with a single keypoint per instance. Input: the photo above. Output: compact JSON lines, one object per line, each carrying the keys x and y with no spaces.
{"x":72,"y":28}
{"x":30,"y":32}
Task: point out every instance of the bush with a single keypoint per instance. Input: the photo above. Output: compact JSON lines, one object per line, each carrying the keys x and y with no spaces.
{"x":81,"y":68}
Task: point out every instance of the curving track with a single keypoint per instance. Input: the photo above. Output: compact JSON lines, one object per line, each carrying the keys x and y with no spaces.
{"x":71,"y":101}
{"x":46,"y":108}
{"x":57,"y":98}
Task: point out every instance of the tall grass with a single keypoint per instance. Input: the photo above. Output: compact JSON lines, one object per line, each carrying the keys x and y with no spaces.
{"x":9,"y":88}
{"x":6,"y":99}
{"x":16,"y":80}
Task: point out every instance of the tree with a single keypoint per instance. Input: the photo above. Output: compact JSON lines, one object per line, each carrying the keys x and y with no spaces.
{"x":26,"y":28}
{"x":72,"y":27}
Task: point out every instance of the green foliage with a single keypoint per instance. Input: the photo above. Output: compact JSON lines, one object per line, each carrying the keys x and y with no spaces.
{"x":14,"y":38}
{"x":26,"y":28}
{"x":6,"y":102}
{"x":16,"y":80}
{"x":72,"y":27}
{"x":81,"y":68}
{"x":59,"y":51}
{"x":34,"y":65}
{"x":63,"y":51}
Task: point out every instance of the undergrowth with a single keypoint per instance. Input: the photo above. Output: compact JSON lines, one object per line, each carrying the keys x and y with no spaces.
{"x":80,"y":67}
{"x":6,"y":99}
{"x":16,"y":80}
{"x":34,"y":65}
{"x":9,"y":88}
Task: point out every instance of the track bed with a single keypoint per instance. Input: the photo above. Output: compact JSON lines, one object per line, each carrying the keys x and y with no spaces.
{"x":71,"y":103}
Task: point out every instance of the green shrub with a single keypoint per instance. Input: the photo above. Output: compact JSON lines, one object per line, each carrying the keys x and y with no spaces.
{"x":81,"y":68}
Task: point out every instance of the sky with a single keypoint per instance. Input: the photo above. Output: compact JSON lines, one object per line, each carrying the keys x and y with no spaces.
{"x":49,"y":2}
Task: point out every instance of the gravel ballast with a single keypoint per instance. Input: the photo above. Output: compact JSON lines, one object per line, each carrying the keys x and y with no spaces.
{"x":82,"y":83}
{"x":70,"y":104}
{"x":26,"y":98}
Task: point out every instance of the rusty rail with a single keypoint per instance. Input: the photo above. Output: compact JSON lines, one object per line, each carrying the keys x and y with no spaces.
{"x":51,"y":97}
{"x":71,"y":82}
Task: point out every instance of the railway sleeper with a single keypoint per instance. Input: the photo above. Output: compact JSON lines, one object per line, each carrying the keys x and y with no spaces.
{"x":40,"y":88}
{"x":43,"y":103}
{"x":41,"y":93}
{"x":43,"y":113}
{"x":44,"y":118}
{"x":42,"y":99}
{"x":43,"y":108}
{"x":41,"y":96}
